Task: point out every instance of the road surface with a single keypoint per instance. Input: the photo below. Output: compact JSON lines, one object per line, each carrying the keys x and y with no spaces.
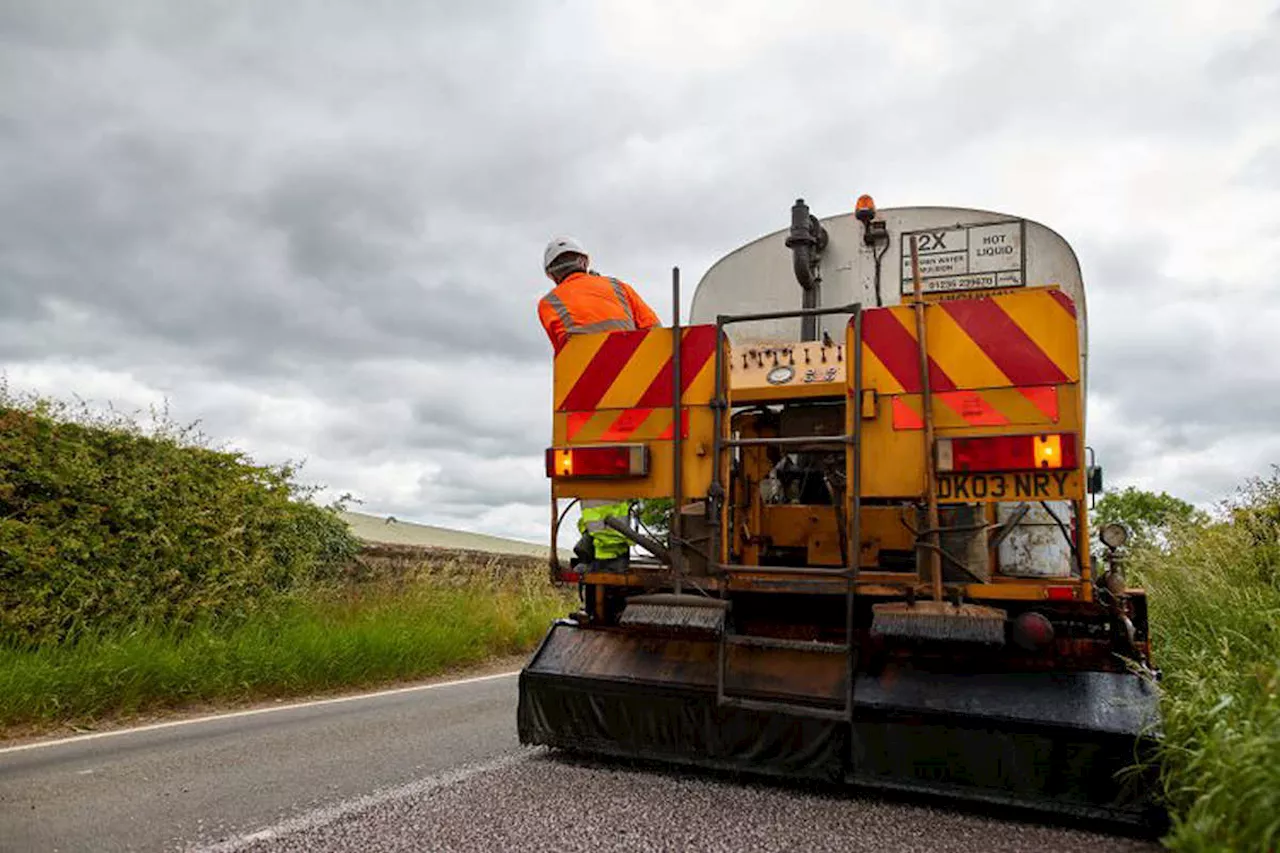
{"x":433,"y":768}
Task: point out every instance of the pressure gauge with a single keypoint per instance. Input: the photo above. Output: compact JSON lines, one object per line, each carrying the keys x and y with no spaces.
{"x":1113,"y":535}
{"x":781,"y":375}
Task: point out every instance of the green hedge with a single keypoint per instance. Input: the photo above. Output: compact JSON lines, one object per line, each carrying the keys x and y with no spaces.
{"x":105,"y":525}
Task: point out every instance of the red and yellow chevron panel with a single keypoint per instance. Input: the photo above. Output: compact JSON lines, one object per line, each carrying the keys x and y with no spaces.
{"x":633,"y":370}
{"x":613,"y":425}
{"x":1022,"y":339}
{"x":1033,"y":406}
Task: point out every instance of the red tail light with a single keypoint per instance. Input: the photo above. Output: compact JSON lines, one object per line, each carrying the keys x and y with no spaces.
{"x":619,"y":460}
{"x":1060,"y":593}
{"x":1008,"y":452}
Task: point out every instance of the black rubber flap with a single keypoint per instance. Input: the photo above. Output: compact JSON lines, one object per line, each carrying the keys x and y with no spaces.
{"x":654,"y":698}
{"x":1052,"y":742}
{"x":1103,"y":702}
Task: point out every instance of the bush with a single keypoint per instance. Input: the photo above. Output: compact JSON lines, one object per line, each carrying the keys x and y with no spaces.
{"x":105,"y":525}
{"x":1215,"y":617}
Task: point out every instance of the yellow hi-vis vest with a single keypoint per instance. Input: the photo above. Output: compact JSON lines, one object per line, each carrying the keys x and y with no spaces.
{"x":608,"y":542}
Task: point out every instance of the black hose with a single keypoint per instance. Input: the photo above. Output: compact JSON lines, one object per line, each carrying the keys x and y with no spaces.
{"x":555,"y":532}
{"x":879,"y":256}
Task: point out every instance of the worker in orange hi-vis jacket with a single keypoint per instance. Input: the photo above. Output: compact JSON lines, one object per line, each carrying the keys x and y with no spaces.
{"x":581,"y":303}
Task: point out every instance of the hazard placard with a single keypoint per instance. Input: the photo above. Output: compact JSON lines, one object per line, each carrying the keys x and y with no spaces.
{"x":967,"y":257}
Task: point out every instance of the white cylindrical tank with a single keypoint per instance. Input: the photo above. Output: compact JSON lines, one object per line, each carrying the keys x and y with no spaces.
{"x":959,"y":249}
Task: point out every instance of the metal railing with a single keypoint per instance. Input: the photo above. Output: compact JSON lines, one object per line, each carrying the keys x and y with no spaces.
{"x":851,"y":442}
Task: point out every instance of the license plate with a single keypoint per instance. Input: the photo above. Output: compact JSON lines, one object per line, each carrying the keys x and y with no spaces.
{"x":1029,"y":486}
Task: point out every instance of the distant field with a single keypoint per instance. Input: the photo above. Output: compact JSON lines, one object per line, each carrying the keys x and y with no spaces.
{"x":393,"y":531}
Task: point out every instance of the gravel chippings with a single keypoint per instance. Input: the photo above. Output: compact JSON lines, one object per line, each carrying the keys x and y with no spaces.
{"x":551,"y":803}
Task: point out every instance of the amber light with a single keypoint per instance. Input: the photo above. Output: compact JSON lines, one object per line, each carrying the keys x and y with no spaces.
{"x":865,"y":207}
{"x":1048,"y":450}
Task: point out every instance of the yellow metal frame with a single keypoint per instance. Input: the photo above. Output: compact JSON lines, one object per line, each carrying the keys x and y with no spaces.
{"x":747,"y":383}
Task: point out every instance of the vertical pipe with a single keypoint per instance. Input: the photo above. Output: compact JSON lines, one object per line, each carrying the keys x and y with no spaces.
{"x":677,"y":434}
{"x":853,"y":506}
{"x":930,"y":469}
{"x":803,"y":241}
{"x":554,"y":562}
{"x":809,"y":323}
{"x":1083,"y":556}
{"x":855,"y":481}
{"x":716,"y":493}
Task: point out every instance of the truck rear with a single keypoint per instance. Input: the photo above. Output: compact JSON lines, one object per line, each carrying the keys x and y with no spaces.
{"x":879,"y":567}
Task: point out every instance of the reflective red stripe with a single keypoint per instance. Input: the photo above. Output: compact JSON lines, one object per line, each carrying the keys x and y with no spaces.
{"x":670,"y":431}
{"x":1064,"y":300}
{"x":1044,"y":398}
{"x":974,"y":408}
{"x":897,"y":350}
{"x":697,"y":346}
{"x":905,"y":417}
{"x":602,"y":371}
{"x":1009,"y":348}
{"x":627,"y":422}
{"x":577,"y":420}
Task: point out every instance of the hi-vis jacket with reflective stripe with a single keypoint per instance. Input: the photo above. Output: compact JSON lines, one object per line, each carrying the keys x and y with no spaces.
{"x":608,"y":542}
{"x":585,"y":303}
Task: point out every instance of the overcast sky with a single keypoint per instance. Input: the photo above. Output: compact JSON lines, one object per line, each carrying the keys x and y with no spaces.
{"x":317,"y":227}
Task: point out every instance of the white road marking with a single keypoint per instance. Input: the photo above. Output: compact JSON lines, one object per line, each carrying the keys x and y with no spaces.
{"x":231,"y":715}
{"x":328,"y":814}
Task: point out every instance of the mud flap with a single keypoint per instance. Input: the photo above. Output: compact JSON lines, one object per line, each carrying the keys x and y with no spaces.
{"x":1050,"y":742}
{"x":621,"y":694}
{"x":1053,"y":742}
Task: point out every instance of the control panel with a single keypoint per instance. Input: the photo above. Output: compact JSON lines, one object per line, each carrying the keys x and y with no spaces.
{"x":766,"y":371}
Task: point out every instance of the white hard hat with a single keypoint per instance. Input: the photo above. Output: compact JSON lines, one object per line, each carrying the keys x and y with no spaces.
{"x":558,"y":247}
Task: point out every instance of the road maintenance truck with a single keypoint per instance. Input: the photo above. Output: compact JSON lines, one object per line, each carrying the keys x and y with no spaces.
{"x":878,"y":567}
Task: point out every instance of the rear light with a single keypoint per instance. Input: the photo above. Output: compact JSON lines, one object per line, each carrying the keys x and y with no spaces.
{"x":1008,"y":452}
{"x":621,"y":460}
{"x":1060,"y":593}
{"x":1032,"y":631}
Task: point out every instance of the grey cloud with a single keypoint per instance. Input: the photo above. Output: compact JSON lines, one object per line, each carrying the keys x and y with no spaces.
{"x":457,"y":489}
{"x":1250,"y":58}
{"x":1262,"y":171}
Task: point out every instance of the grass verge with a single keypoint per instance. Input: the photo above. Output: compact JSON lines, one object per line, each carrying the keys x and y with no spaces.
{"x":1215,"y":599}
{"x":353,"y":637}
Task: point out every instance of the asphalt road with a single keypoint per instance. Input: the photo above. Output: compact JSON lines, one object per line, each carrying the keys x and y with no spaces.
{"x":435,"y":768}
{"x":169,"y":788}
